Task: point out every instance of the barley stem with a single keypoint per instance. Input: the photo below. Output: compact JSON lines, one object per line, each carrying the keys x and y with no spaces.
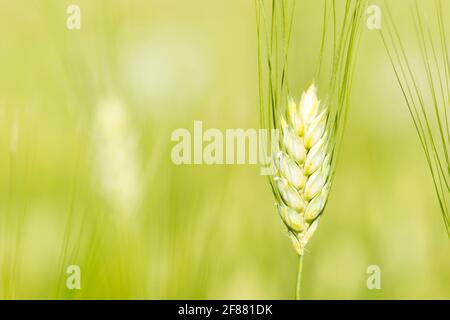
{"x":299,"y":277}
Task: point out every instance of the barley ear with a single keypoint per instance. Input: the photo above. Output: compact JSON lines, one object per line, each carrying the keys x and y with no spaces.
{"x":311,"y":127}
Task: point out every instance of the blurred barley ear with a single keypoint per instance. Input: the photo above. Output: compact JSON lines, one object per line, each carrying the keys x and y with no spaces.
{"x":427,"y":104}
{"x":333,"y":75}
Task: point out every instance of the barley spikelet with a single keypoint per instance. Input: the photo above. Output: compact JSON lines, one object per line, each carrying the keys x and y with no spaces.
{"x":303,"y":167}
{"x":311,"y":132}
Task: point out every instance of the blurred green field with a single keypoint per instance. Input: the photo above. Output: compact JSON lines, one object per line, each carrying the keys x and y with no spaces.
{"x":86,"y":176}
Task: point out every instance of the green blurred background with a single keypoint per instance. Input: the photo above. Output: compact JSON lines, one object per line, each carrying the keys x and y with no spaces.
{"x":86,"y":176}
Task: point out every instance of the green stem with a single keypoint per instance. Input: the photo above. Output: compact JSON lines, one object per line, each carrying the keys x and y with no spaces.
{"x":299,"y":278}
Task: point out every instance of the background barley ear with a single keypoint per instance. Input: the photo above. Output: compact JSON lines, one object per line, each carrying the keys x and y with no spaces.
{"x":311,"y":126}
{"x":425,"y":86}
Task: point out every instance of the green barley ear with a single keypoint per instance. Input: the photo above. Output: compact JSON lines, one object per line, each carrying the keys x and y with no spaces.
{"x":429,"y":105}
{"x":303,"y":175}
{"x":310,"y":128}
